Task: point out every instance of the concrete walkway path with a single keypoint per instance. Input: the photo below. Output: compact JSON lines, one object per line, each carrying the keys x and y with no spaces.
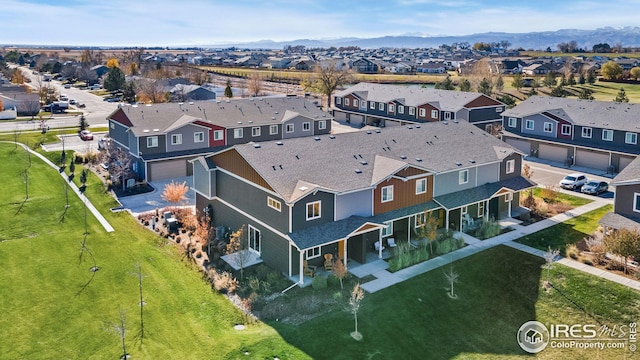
{"x":385,"y":279}
{"x":105,"y":224}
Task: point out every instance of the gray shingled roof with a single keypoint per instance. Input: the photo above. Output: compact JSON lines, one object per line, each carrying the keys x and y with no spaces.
{"x":601,"y":114}
{"x":447,"y":100}
{"x":480,"y":193}
{"x":618,"y":221}
{"x":330,"y":161}
{"x":228,"y":114}
{"x":631,"y":173}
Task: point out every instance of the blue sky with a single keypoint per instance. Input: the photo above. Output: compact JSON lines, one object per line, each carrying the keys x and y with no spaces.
{"x":206,"y":22}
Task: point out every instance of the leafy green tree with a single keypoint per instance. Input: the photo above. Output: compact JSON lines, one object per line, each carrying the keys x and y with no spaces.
{"x":114,"y":80}
{"x":549,"y":79}
{"x":445,"y":84}
{"x":591,"y":77}
{"x":601,"y":48}
{"x":507,"y":100}
{"x":623,"y":242}
{"x":585,"y":94}
{"x":518,"y":82}
{"x":72,"y":165}
{"x":621,"y":97}
{"x":499,"y":84}
{"x":83,"y":123}
{"x":465,"y":85}
{"x":227,"y":90}
{"x":611,"y":70}
{"x":485,"y":87}
{"x":558,"y":91}
{"x":129,"y":92}
{"x":635,"y":73}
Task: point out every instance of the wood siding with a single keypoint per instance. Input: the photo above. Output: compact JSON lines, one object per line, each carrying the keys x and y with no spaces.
{"x":411,"y":171}
{"x":121,"y":118}
{"x":232,"y":161}
{"x":483,"y":101}
{"x":404,"y":195}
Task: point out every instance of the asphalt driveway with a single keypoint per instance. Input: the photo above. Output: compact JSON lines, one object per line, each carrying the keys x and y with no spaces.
{"x":152,"y":200}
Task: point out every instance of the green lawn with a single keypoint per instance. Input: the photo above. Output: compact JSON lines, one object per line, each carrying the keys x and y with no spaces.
{"x":45,"y":315}
{"x":499,"y":289}
{"x":572,"y":200}
{"x":569,"y":232}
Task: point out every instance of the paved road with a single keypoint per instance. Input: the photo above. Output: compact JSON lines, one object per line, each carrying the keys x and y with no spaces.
{"x":548,"y":173}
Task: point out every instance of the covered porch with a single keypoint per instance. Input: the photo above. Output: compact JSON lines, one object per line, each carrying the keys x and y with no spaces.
{"x":466,"y":209}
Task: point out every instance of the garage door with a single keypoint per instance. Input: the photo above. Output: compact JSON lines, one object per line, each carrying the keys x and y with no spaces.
{"x":339,"y":116}
{"x":624,"y":161}
{"x":522,"y":145}
{"x":167,"y":169}
{"x":592,"y":159}
{"x":553,"y":153}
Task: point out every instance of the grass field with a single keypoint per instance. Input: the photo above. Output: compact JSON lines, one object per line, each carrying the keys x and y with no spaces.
{"x":51,"y":310}
{"x":567,"y":233}
{"x":47,"y":315}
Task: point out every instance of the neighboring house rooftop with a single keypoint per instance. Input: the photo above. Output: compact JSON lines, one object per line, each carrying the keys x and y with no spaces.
{"x":228,"y":114}
{"x":359,"y":160}
{"x":590,"y":113}
{"x":628,"y":175}
{"x":413,"y":96}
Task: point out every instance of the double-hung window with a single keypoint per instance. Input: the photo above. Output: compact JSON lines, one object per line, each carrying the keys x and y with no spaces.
{"x":631,"y":138}
{"x":421,"y":186}
{"x":529,"y":125}
{"x":607,"y":135}
{"x":198,"y":137}
{"x":387,"y":193}
{"x":152,"y":141}
{"x":176,"y":139}
{"x":313,"y":210}
{"x":463,"y":177}
{"x":586,"y":132}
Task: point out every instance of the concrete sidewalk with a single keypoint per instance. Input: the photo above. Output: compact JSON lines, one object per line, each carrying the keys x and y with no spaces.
{"x":105,"y":224}
{"x":475,"y":246}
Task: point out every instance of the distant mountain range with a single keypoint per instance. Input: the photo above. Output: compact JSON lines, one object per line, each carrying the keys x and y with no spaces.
{"x":628,"y":37}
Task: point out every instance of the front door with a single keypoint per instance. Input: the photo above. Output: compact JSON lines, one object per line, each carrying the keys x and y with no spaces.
{"x":254,"y":239}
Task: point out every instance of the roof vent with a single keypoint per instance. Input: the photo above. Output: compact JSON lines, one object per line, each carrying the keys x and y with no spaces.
{"x":377,"y":131}
{"x":303,"y":188}
{"x":190,"y":102}
{"x":156,"y":129}
{"x":358,"y":171}
{"x":239,"y":122}
{"x":250,"y":121}
{"x":145,"y":130}
{"x":317,"y":138}
{"x":257,"y":146}
{"x":403,"y":157}
{"x":369,"y":132}
{"x":332,"y":137}
{"x":472,"y":161}
{"x":458,"y":163}
{"x":273,"y":118}
{"x":279,"y":143}
{"x":409,"y":127}
{"x":363,"y":162}
{"x":419,"y":159}
{"x":446,"y":123}
{"x":275,"y":112}
{"x":228,"y":101}
{"x":417,"y":126}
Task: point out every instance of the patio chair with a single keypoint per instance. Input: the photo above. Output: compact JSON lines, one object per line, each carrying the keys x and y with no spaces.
{"x":309,"y":270}
{"x":391,"y":242}
{"x":328,"y":262}
{"x":377,"y":245}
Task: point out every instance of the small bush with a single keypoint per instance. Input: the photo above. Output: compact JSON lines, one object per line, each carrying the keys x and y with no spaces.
{"x":307,"y":305}
{"x":529,"y":201}
{"x":274,"y":310}
{"x":223,"y":282}
{"x":572,"y":251}
{"x":587,"y":261}
{"x":319,"y":282}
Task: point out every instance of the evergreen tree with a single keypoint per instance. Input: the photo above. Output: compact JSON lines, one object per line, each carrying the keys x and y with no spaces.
{"x":114,"y":80}
{"x":445,"y":84}
{"x":227,"y":90}
{"x":465,"y":85}
{"x":518,"y":82}
{"x":582,"y":79}
{"x":591,"y":77}
{"x":83,"y":123}
{"x":558,"y":91}
{"x":621,"y":97}
{"x":571,"y":80}
{"x":499,"y":84}
{"x":549,"y":79}
{"x":585,"y":94}
{"x":485,"y":87}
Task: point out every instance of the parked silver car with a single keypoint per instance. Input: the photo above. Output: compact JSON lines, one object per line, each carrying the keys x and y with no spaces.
{"x":595,"y":187}
{"x":573,"y":181}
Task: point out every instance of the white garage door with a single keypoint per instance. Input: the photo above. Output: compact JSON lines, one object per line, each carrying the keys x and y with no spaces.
{"x":339,"y":115}
{"x":553,"y":153}
{"x":592,"y":159}
{"x":522,"y":145}
{"x":624,"y":161}
{"x":167,"y":169}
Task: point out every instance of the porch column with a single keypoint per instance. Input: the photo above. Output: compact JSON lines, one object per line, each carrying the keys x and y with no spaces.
{"x":486,"y":210}
{"x":409,"y":229}
{"x":510,"y":201}
{"x":460,"y":224}
{"x":446,"y":225}
{"x":380,"y":244}
{"x":344,"y":251}
{"x":301,"y":281}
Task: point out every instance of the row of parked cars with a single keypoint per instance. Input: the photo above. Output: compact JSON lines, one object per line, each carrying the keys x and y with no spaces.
{"x":580,"y":182}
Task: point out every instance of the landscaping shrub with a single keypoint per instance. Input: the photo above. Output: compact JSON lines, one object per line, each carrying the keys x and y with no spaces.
{"x":223,"y":282}
{"x":549,"y":194}
{"x":572,"y":251}
{"x":448,"y":245}
{"x":274,"y":311}
{"x":487,"y":229}
{"x":587,"y":262}
{"x":529,"y":201}
{"x":319,"y":282}
{"x":307,"y":305}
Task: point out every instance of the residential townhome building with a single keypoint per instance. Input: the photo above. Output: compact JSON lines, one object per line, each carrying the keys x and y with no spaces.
{"x":595,"y":134}
{"x":161,"y":138}
{"x":626,"y":204}
{"x":301,"y":198}
{"x":388,"y":105}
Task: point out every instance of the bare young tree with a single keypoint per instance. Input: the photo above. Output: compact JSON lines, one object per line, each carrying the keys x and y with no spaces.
{"x":138,"y":274}
{"x":238,"y":248}
{"x":255,"y":84}
{"x":121,"y":329}
{"x":550,"y":257}
{"x":175,"y":192}
{"x":452,"y":278}
{"x":120,"y":166}
{"x":428,"y":230}
{"x":339,"y":271}
{"x":356,"y":297}
{"x":327,"y":78}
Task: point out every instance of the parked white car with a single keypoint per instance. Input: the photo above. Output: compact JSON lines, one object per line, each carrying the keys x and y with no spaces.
{"x":573,"y":181}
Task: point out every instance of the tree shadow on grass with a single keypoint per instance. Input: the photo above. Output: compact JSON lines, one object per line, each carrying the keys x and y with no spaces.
{"x":497,"y":292}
